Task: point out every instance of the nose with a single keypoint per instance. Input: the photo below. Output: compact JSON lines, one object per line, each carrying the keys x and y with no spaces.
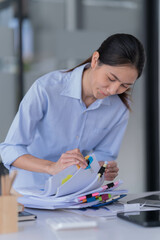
{"x":113,"y":88}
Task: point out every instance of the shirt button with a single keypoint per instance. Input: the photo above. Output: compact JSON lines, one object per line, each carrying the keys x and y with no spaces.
{"x":77,"y":137}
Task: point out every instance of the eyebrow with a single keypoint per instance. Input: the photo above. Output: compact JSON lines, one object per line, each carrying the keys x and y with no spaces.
{"x":119,"y":79}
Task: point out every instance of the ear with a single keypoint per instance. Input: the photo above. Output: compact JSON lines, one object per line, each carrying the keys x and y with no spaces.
{"x":94,"y":60}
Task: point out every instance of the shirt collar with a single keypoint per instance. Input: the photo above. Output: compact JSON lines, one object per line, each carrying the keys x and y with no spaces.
{"x":74,"y":86}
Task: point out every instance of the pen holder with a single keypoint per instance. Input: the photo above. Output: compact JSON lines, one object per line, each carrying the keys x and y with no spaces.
{"x":8,"y":214}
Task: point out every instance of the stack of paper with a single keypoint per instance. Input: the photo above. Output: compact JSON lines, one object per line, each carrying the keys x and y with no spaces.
{"x":73,"y":188}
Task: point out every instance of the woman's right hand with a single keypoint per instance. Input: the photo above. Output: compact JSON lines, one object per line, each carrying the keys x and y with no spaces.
{"x":72,"y":157}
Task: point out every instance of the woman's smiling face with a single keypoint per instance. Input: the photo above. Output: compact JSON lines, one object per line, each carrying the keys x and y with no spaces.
{"x":109,"y":80}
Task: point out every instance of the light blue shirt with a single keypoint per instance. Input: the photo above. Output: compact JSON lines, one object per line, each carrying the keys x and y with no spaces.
{"x":52,"y":118}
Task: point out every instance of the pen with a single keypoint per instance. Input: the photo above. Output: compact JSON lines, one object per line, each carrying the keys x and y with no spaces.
{"x":88,"y":159}
{"x":102,"y":169}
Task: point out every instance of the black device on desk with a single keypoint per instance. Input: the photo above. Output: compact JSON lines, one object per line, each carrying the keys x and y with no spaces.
{"x":151,"y":200}
{"x":26,"y":216}
{"x":144,"y":218}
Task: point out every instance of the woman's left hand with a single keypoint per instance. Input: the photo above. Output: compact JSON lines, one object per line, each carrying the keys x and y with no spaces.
{"x":111,"y":171}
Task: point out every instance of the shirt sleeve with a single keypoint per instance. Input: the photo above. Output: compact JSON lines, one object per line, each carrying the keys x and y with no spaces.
{"x":108,"y":148}
{"x":23,"y":128}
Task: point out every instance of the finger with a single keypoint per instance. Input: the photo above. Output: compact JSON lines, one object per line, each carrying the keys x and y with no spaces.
{"x":78,"y":157}
{"x":111,"y":164}
{"x":112,"y":170}
{"x":74,"y":158}
{"x":73,"y":155}
{"x":74,"y":162}
{"x":62,"y":165}
{"x":76,"y":150}
{"x":70,"y":163}
{"x":111,"y":175}
{"x":109,"y":179}
{"x":101,"y":163}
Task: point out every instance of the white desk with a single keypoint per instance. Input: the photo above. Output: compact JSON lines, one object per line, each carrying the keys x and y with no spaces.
{"x":112,"y":229}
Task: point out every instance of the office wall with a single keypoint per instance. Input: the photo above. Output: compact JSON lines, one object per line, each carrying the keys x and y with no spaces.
{"x":7,"y":102}
{"x":7,"y":74}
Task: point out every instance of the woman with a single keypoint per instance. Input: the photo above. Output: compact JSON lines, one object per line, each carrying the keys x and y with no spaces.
{"x":68,"y":114}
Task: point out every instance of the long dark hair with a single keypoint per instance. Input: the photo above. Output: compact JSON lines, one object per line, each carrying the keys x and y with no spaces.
{"x":121,"y":49}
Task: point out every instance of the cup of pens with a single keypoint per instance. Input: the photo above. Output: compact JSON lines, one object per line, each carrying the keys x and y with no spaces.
{"x":8,"y":205}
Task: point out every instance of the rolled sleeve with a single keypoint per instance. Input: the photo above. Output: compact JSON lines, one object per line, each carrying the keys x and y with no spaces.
{"x":10,"y":153}
{"x":23,"y":128}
